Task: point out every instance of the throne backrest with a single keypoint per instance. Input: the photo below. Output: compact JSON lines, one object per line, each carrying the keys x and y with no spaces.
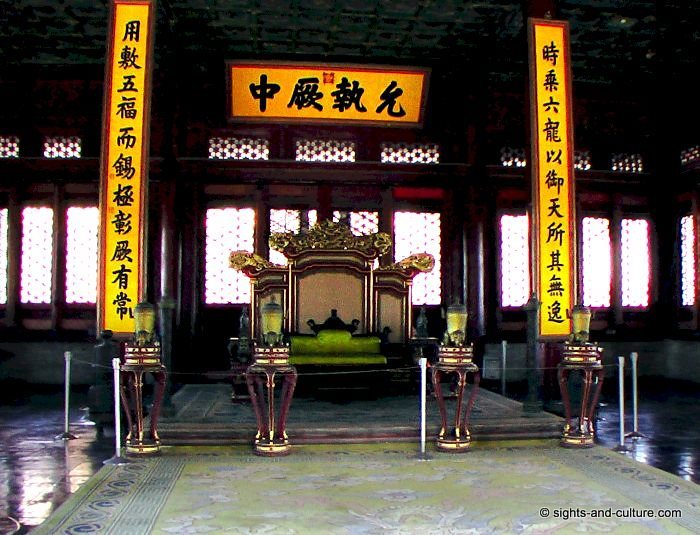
{"x":330,"y":268}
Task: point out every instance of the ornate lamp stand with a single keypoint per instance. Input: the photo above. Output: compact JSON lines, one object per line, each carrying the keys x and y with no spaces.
{"x":455,"y":357}
{"x":585,"y":358}
{"x":138,"y":360}
{"x":268,"y":361}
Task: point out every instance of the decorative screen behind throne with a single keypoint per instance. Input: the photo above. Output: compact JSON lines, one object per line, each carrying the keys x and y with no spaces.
{"x":330,"y":268}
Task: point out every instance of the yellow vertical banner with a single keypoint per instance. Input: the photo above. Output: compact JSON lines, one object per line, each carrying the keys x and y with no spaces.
{"x":124,"y":163}
{"x":554,"y":221}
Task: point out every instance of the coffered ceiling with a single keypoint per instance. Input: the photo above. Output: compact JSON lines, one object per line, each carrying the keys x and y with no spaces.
{"x":613,"y":41}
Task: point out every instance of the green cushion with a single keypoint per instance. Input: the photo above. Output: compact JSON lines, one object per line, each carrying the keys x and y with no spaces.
{"x":335,"y":341}
{"x":336,"y":359}
{"x":336,"y":347}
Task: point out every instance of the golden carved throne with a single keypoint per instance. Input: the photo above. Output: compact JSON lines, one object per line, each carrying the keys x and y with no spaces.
{"x":331,"y":269}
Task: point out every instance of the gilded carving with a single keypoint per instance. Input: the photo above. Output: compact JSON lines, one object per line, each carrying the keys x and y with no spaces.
{"x":413,"y":265}
{"x":248,"y":263}
{"x":330,"y":235}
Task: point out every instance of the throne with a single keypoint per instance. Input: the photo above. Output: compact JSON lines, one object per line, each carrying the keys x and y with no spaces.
{"x":330,"y":269}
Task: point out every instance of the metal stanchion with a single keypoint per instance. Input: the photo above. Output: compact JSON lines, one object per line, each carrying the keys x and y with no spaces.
{"x":504,"y":351}
{"x":423,"y":456}
{"x":66,"y":435}
{"x":117,"y":458}
{"x":635,"y":434}
{"x":621,"y":400}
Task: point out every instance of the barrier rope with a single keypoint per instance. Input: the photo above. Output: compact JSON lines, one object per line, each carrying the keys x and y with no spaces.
{"x":348,"y":372}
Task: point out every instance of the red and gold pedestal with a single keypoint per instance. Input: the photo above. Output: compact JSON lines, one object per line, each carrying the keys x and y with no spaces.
{"x":457,"y":360}
{"x":269,"y":362}
{"x":579,"y":431}
{"x":139,"y":360}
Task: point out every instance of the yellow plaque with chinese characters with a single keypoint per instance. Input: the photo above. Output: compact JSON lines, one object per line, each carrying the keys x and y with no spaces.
{"x":124,"y":164}
{"x":330,"y":93}
{"x":552,"y":175}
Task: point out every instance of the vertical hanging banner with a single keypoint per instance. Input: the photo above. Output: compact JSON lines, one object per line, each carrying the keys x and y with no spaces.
{"x":124,"y":163}
{"x":552,"y":175}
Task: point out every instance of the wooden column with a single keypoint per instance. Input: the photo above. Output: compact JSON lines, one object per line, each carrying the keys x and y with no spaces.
{"x":14,"y":257}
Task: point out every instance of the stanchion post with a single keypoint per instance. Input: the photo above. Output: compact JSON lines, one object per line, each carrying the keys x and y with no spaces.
{"x":423,"y":385}
{"x":66,"y":435}
{"x":635,"y":434}
{"x":504,"y":351}
{"x":621,"y":402}
{"x":117,"y":458}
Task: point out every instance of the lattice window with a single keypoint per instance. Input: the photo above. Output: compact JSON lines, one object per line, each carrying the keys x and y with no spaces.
{"x":635,"y":260}
{"x":320,"y":150}
{"x":417,"y":153}
{"x":513,"y":157}
{"x":690,"y":155}
{"x":419,"y":232}
{"x":283,"y":221}
{"x":37,"y":255}
{"x":81,"y":254}
{"x":688,"y":262}
{"x":596,"y":262}
{"x":62,"y":147}
{"x":627,"y":163}
{"x":582,"y":160}
{"x":9,"y":147}
{"x":234,"y":148}
{"x":227,"y":230}
{"x":3,"y":256}
{"x":515,"y":260}
{"x":360,"y":223}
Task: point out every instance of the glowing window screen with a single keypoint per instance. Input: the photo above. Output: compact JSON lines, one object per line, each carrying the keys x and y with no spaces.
{"x":227,"y":230}
{"x":37,"y":255}
{"x":688,"y":279}
{"x":419,"y":232}
{"x":319,"y":150}
{"x":81,"y":254}
{"x":635,"y":262}
{"x":62,"y":147}
{"x":515,"y":260}
{"x":283,"y":221}
{"x":232,"y":148}
{"x":596,"y":262}
{"x":9,"y":147}
{"x":360,"y":223}
{"x":3,"y":256}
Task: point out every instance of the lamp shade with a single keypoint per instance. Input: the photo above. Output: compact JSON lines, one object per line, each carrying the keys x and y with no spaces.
{"x":145,"y":318}
{"x":457,"y":323}
{"x":581,"y":317}
{"x":271,"y":319}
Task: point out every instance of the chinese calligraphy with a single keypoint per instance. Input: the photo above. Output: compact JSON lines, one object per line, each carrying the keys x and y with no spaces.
{"x":553,"y":180}
{"x":316,"y":93}
{"x":124,"y":139}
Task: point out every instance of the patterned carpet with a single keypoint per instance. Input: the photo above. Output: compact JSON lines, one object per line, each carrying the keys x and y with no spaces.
{"x":381,"y":489}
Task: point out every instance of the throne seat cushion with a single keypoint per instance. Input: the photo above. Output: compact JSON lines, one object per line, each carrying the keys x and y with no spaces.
{"x":335,"y":348}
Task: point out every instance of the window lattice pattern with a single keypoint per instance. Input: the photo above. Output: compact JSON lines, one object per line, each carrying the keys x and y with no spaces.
{"x":596,"y":262}
{"x":9,"y":147}
{"x":582,"y":160}
{"x":515,"y":260}
{"x":234,"y":148}
{"x":283,"y":221}
{"x":81,"y":254}
{"x":511,"y":157}
{"x":627,"y":163}
{"x":410,"y":153}
{"x":37,"y":255}
{"x":689,"y":155}
{"x":360,"y":223}
{"x":227,"y":230}
{"x":62,"y":147}
{"x":688,"y":269}
{"x":419,"y":232}
{"x":635,"y":262}
{"x":3,"y":256}
{"x":320,"y":150}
